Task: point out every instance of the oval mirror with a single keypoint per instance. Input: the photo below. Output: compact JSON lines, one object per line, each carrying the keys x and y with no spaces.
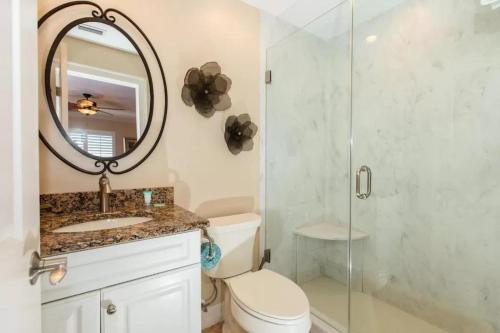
{"x":101,"y":90}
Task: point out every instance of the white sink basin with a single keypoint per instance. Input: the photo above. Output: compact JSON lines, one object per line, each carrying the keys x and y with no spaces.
{"x":103,"y":224}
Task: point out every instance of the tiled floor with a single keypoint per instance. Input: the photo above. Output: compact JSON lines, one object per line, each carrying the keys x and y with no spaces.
{"x":214,"y":329}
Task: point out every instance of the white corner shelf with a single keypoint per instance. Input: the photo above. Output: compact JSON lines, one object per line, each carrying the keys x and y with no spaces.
{"x":330,"y":231}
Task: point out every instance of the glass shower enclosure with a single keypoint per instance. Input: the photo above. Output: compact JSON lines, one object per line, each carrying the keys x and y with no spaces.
{"x":382,"y":151}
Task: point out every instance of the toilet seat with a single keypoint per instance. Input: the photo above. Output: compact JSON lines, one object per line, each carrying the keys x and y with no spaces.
{"x":265,"y":301}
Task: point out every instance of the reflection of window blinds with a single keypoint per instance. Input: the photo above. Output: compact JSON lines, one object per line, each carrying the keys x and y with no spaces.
{"x":100,"y":144}
{"x":96,"y":143}
{"x":78,"y":138}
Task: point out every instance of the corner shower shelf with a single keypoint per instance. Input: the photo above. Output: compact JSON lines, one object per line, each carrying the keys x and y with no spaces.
{"x":330,"y":231}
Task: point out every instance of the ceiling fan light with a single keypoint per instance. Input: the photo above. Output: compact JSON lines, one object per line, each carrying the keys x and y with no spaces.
{"x":87,"y":111}
{"x":84,"y":103}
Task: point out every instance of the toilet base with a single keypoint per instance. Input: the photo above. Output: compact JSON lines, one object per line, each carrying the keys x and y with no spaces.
{"x":230,"y":325}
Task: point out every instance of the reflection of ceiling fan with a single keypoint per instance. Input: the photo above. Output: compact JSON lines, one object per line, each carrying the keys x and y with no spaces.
{"x":89,"y":107}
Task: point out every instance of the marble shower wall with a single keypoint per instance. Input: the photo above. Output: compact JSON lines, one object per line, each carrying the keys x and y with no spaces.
{"x":426,"y":119}
{"x":307,"y":121}
{"x":296,"y":126}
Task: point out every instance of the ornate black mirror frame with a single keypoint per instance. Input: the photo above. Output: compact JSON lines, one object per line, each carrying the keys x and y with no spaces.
{"x":104,"y":164}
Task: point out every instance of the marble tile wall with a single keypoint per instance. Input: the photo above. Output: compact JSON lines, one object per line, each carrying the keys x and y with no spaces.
{"x":296,"y":126}
{"x":307,"y":122}
{"x":426,"y":119}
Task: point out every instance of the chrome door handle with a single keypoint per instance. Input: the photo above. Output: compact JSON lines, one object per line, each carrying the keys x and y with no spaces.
{"x":56,"y":267}
{"x":366,"y":194}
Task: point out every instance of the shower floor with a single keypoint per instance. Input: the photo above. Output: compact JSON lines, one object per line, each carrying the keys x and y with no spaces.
{"x":328,"y":299}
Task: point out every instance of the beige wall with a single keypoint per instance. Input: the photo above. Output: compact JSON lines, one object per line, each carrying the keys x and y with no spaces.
{"x":192,"y":155}
{"x":103,"y":57}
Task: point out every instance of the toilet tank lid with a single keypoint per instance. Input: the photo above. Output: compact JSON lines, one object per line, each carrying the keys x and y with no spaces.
{"x":238,"y":221}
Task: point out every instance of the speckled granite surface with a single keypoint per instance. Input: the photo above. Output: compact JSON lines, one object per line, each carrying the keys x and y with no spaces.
{"x":167,"y":220}
{"x":119,"y":199}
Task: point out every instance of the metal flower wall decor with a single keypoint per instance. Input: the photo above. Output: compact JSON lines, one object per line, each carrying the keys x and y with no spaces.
{"x":239,"y":133}
{"x":206,"y":88}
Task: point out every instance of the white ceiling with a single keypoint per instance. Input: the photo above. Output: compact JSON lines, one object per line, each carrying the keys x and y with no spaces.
{"x":302,"y":14}
{"x":296,"y":12}
{"x":274,"y":7}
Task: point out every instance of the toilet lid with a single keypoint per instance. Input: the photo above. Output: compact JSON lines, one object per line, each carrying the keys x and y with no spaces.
{"x":269,"y":294}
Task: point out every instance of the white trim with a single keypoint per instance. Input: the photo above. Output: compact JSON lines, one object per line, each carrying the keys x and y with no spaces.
{"x":212,"y":316}
{"x":19,"y":170}
{"x":139,"y":93}
{"x":99,"y":77}
{"x":17,"y":81}
{"x":63,"y":84}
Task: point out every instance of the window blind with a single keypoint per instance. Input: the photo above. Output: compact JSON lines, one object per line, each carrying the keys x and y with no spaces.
{"x":96,"y":143}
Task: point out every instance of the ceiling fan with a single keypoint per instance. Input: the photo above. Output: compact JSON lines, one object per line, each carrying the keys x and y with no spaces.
{"x":89,"y":107}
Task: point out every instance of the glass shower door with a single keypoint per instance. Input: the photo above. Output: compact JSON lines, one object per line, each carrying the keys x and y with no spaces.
{"x":307,"y":161}
{"x":426,"y":119}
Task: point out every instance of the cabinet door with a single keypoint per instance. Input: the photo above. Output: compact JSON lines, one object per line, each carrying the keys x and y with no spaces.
{"x":78,"y":314}
{"x":163,"y":303}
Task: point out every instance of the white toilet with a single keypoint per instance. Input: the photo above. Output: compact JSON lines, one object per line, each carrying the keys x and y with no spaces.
{"x":255,"y":302}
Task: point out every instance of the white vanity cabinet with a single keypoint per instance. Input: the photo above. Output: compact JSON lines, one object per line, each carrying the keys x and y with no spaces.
{"x":148,"y":286}
{"x":165,"y":303}
{"x":77,"y":314}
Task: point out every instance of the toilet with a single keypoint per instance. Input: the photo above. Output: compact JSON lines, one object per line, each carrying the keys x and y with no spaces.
{"x":255,"y":302}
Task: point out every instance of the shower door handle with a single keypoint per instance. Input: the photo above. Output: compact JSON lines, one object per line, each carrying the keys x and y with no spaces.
{"x":365,"y":195}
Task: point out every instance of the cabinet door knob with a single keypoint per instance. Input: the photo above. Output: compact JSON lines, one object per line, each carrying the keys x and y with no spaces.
{"x":111,"y":309}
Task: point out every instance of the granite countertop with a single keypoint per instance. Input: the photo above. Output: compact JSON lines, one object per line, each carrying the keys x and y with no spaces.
{"x":167,"y":220}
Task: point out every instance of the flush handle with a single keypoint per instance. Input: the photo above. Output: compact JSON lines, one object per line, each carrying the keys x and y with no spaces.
{"x":366,"y":194}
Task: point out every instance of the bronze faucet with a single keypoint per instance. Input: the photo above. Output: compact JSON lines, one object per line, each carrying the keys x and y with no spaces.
{"x":104,"y":191}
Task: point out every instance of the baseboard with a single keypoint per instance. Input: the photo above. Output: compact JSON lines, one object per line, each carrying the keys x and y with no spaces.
{"x":212,"y":316}
{"x":319,"y":326}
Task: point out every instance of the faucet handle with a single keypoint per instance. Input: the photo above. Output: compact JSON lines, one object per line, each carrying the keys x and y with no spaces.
{"x":104,"y":183}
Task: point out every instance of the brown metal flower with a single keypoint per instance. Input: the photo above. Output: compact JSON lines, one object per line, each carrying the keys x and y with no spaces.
{"x":206,"y":88}
{"x":239,"y":133}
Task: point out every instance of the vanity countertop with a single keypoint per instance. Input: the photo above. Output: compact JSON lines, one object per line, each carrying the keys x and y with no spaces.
{"x":166,"y":220}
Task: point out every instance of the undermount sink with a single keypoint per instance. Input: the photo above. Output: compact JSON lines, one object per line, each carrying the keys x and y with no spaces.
{"x":109,"y":223}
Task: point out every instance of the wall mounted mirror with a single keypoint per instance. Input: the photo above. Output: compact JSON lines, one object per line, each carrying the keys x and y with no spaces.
{"x":102,"y":78}
{"x":100,"y":89}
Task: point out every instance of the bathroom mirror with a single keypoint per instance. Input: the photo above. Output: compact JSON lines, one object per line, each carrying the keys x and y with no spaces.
{"x":104,"y":89}
{"x":99,"y":87}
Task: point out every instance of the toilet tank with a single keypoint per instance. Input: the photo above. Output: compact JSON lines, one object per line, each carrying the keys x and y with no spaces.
{"x":236,"y":235}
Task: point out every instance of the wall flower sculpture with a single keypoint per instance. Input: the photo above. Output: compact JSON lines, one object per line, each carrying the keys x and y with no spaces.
{"x":206,"y":88}
{"x":239,"y":133}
